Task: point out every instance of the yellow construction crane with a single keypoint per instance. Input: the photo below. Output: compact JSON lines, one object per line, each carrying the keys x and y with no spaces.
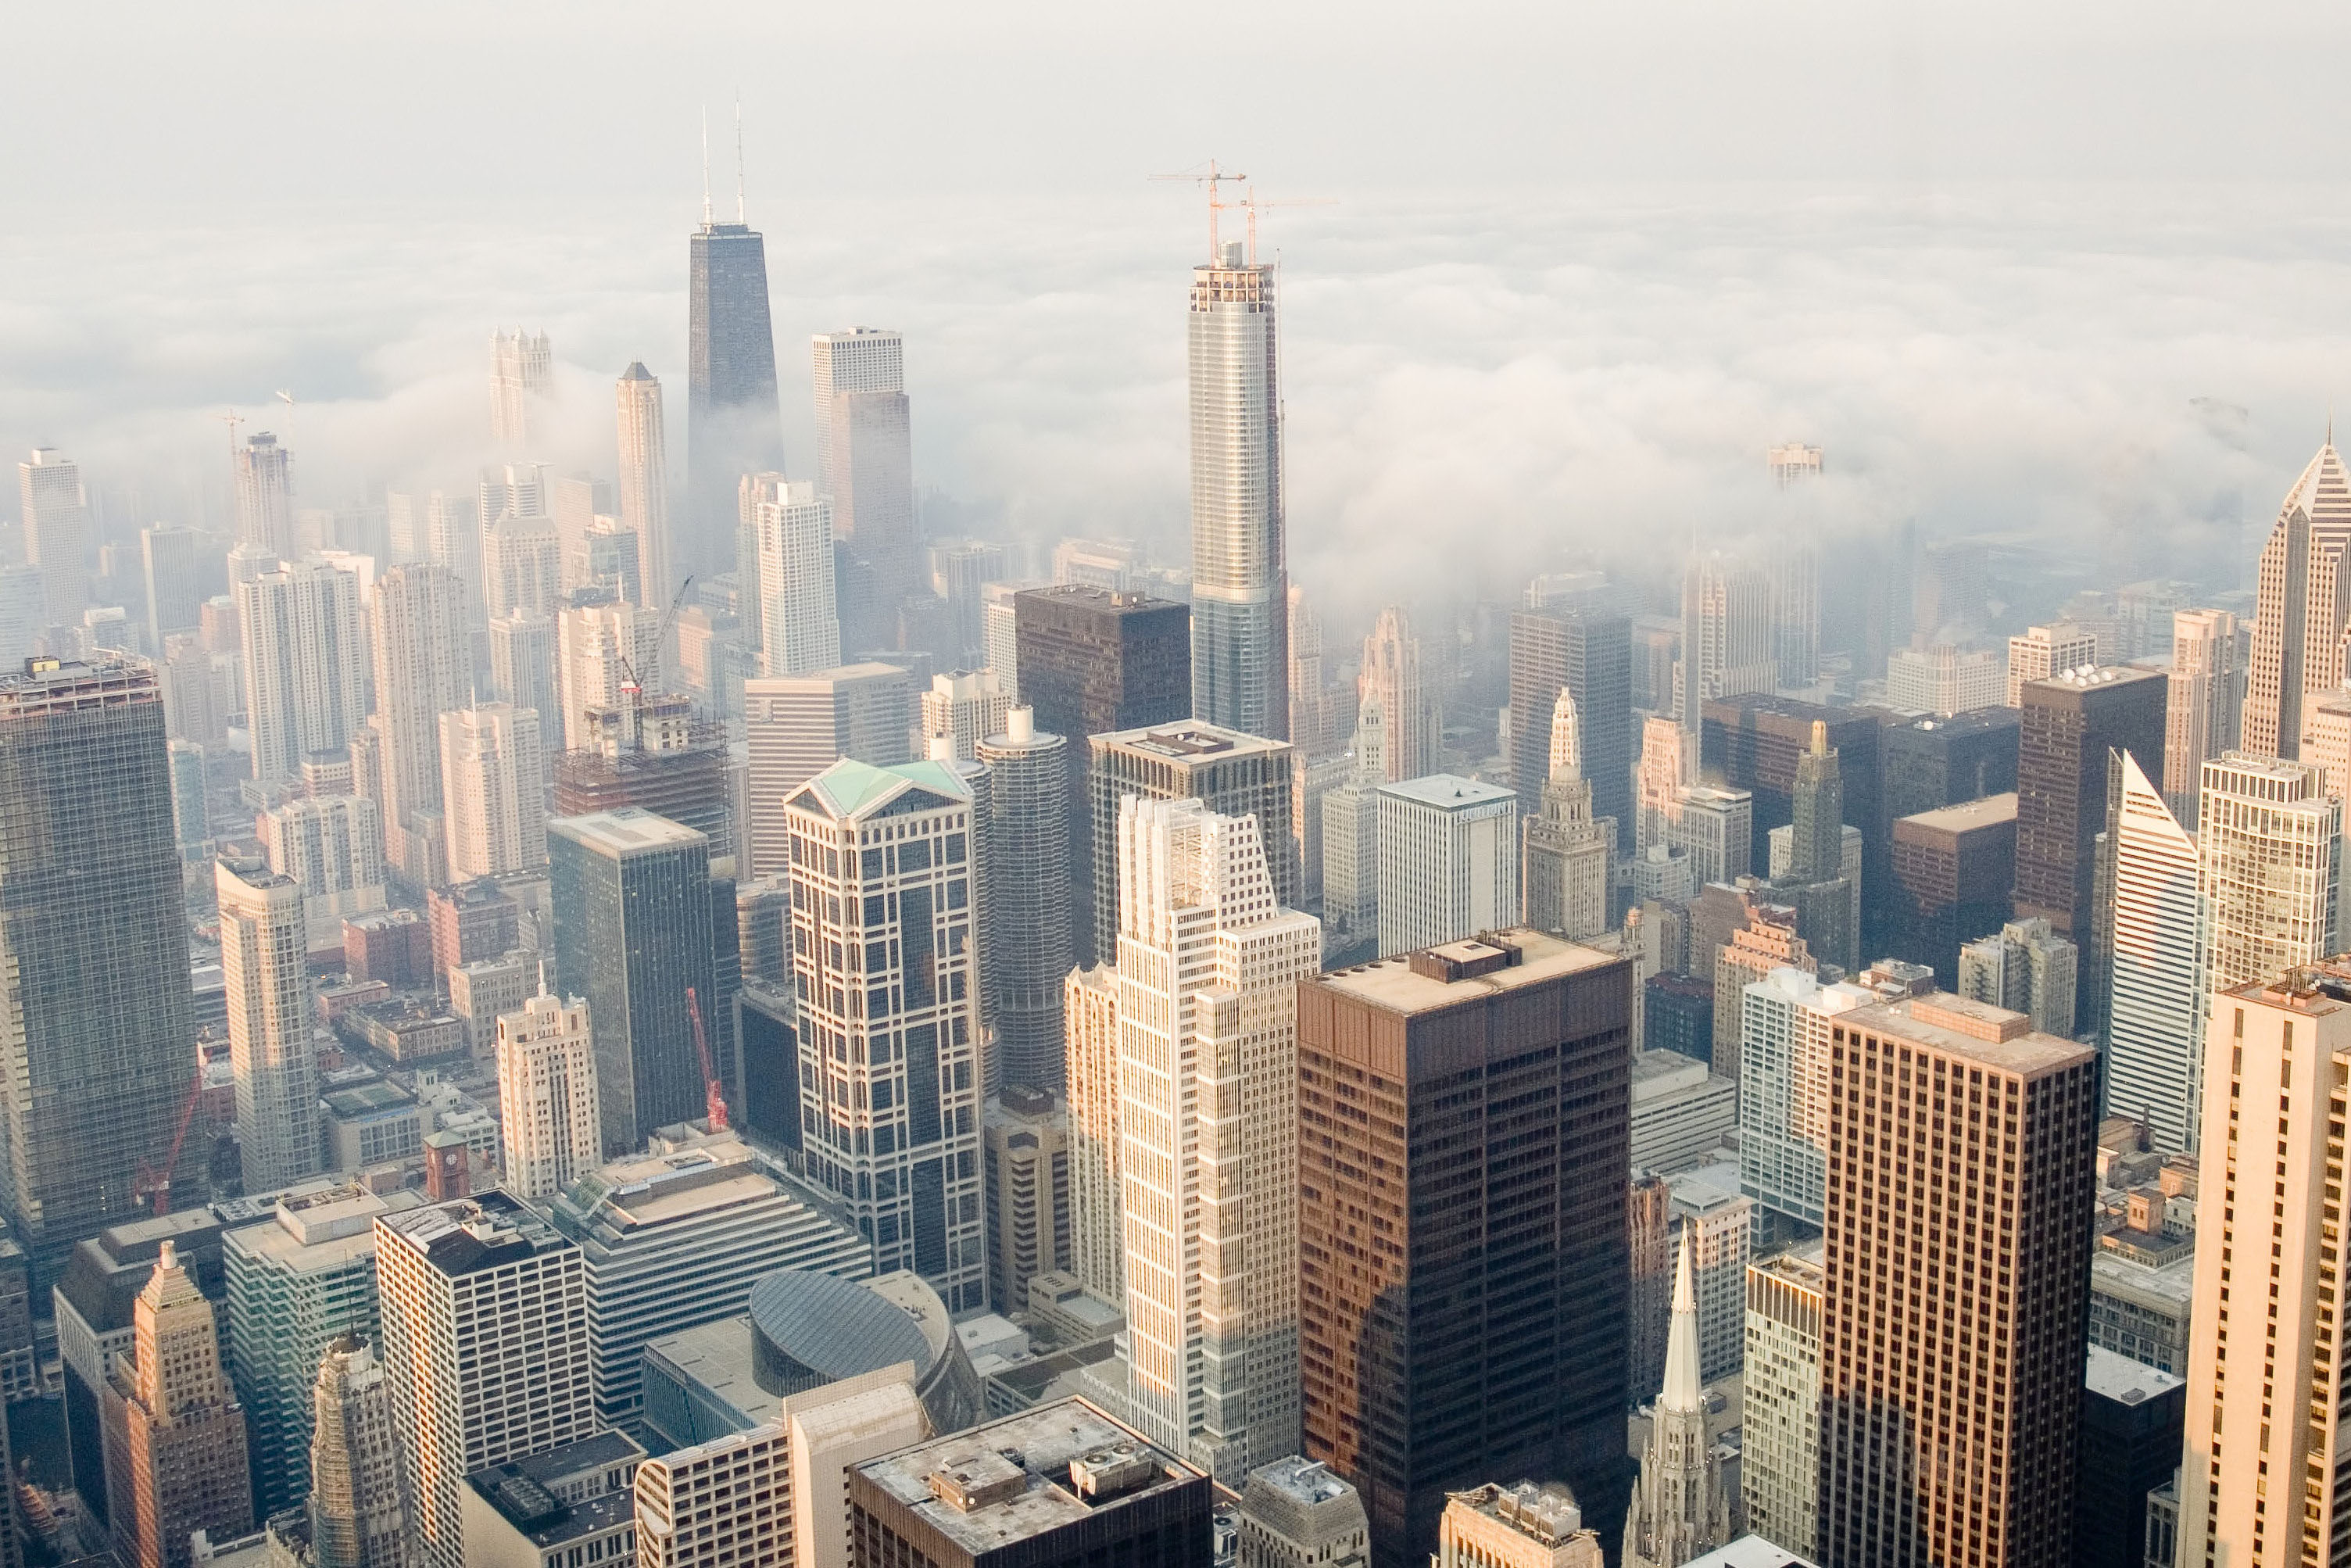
{"x":1210,"y":175}
{"x":1252,"y":205}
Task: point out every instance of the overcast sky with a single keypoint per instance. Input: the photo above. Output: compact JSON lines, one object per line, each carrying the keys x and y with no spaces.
{"x":1585,"y":263}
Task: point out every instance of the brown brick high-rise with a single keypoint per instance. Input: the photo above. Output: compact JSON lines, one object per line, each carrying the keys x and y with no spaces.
{"x":1962,"y":1174}
{"x":1463,"y":1141}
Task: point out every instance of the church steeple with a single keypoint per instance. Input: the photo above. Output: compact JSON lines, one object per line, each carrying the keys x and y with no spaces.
{"x":1679,"y":1508}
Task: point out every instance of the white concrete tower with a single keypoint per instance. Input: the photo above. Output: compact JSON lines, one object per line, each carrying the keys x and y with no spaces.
{"x":548,"y":1113}
{"x":493,"y":790}
{"x":1240,"y":579}
{"x":264,"y":964}
{"x":644,"y":477}
{"x":800,"y":628}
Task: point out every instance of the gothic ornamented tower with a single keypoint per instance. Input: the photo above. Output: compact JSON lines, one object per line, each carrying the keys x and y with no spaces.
{"x":1679,"y":1509}
{"x":182,"y":1465}
{"x":1565,"y":875}
{"x":359,"y":1516}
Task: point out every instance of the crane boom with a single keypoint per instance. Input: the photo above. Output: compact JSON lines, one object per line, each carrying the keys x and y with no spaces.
{"x":713,"y":1097}
{"x":157,"y":1187}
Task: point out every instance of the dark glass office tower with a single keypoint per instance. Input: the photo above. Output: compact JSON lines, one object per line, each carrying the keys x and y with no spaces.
{"x":733,"y":426}
{"x":1464,"y":1134}
{"x":1590,"y":654}
{"x":98,"y":1047}
{"x":633,"y":898}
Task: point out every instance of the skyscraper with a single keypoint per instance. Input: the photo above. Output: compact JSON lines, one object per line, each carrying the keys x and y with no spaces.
{"x":1983,"y":1470}
{"x":2303,"y":593}
{"x":2071,"y":721}
{"x":733,"y":426}
{"x":56,"y":515}
{"x":485,"y":1350}
{"x":168,"y":557}
{"x":1240,"y":580}
{"x":306,"y":652}
{"x":1794,"y":565}
{"x":493,"y":790}
{"x":600,"y":649}
{"x":1567,"y":872}
{"x":521,"y":372}
{"x":865,"y":457}
{"x":644,"y":471}
{"x":1680,"y":1509}
{"x":1726,"y":636}
{"x":1784,"y":1050}
{"x":424,"y":667}
{"x":1090,"y":661}
{"x":548,"y":1117}
{"x":332,"y":847}
{"x":264,"y":497}
{"x":522,"y":565}
{"x":880,"y":864}
{"x":1780,"y":1461}
{"x":97,"y":1050}
{"x":2040,"y":652}
{"x":1028,"y":947}
{"x":1234,"y":775}
{"x":1209,"y":965}
{"x":962,"y":708}
{"x":2204,"y":709}
{"x":630,"y":894}
{"x":2154,"y":1008}
{"x":522,"y":671}
{"x":264,"y":966}
{"x":359,"y":1513}
{"x":1398,"y":1399}
{"x":1314,"y":725}
{"x":1590,"y":654}
{"x":796,"y":726}
{"x":182,"y":1430}
{"x":1097,"y":1235}
{"x":792,"y":531}
{"x":1449,"y":860}
{"x":1391,"y":677}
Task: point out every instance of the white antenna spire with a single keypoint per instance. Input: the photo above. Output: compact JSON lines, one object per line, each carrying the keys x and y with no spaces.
{"x":706,"y":165}
{"x":738,"y":159}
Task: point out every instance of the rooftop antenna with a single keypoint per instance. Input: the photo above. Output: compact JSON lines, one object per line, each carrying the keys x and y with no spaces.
{"x":738,"y":159}
{"x":706,"y":165}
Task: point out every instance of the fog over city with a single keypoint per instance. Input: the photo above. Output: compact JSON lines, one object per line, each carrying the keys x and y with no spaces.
{"x":1578,"y":271}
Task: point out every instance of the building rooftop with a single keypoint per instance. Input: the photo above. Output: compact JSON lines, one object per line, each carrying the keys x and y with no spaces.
{"x":850,"y":789}
{"x":1950,"y":1023}
{"x":2113,"y":1375}
{"x":1659,"y":1071}
{"x":524,"y":1492}
{"x":1967,"y":816}
{"x":374,"y":1098}
{"x":625,"y":830}
{"x":2170,"y":1287}
{"x":655,"y":1188}
{"x":1449,"y":791}
{"x":468,"y":1235}
{"x":1750,"y":1551}
{"x":718,"y":1358}
{"x":321,"y":1228}
{"x":1012,"y":1480}
{"x":1547,"y":1515}
{"x":1397,"y":984}
{"x":1096,"y":598}
{"x":1190,"y":740}
{"x":1302,"y":1480}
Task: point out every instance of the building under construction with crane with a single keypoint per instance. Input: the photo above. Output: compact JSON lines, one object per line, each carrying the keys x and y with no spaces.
{"x":98,"y":1053}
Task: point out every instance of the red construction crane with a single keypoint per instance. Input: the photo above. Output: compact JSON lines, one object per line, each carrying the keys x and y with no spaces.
{"x":713,"y":1096}
{"x":156,"y":1188}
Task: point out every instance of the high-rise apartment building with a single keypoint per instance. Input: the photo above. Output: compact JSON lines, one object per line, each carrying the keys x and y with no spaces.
{"x":2070,"y":722}
{"x":734,"y":424}
{"x":2154,"y":1009}
{"x":2026,"y":969}
{"x":1398,"y":1400}
{"x":962,"y":708}
{"x":599,"y":649}
{"x":1590,"y":655}
{"x":1027,"y":1138}
{"x":1092,"y":660}
{"x":180,"y":1467}
{"x":880,"y":864}
{"x":550,"y":1122}
{"x":1028,"y":949}
{"x":632,"y":894}
{"x":522,"y":566}
{"x":1209,"y":965}
{"x":55,"y":513}
{"x":264,"y":497}
{"x":2302,"y":595}
{"x":1097,"y":1235}
{"x":522,"y":673}
{"x":798,"y":630}
{"x":644,"y":477}
{"x":265,"y":969}
{"x":1390,"y":673}
{"x":1568,"y":870}
{"x":423,"y":668}
{"x":2039,"y":652}
{"x":305,"y":654}
{"x":486,"y":1350}
{"x":521,"y":372}
{"x":1766,"y":939}
{"x":493,"y":790}
{"x":300,"y":1279}
{"x":796,"y":726}
{"x":2259,"y":1483}
{"x":1995,"y":1225}
{"x":676,"y":1237}
{"x":332,"y":847}
{"x":1449,"y":860}
{"x":1779,"y":1400}
{"x":360,"y":1515}
{"x":1783,"y":1058}
{"x":1680,"y":1508}
{"x":1233,"y":774}
{"x":97,"y":1048}
{"x":1726,"y":636}
{"x":865,"y":463}
{"x":1240,"y":579}
{"x":2204,"y":706}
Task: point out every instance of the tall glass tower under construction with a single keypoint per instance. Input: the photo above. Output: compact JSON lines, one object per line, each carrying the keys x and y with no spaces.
{"x":1240,"y":580}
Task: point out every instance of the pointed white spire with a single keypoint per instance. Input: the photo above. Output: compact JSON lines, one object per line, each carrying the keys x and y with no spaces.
{"x":1566,"y":737}
{"x":1683,"y":1390}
